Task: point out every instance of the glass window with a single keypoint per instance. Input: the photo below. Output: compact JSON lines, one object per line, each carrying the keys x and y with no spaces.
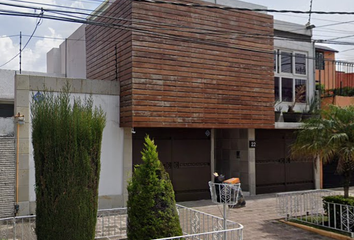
{"x":276,"y":88}
{"x":287,"y":89}
{"x":286,"y":62}
{"x":300,"y":63}
{"x":6,"y":110}
{"x":319,"y":61}
{"x":300,"y":90}
{"x":275,"y":61}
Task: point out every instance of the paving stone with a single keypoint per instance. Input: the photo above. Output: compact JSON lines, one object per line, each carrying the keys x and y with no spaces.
{"x":259,"y":219}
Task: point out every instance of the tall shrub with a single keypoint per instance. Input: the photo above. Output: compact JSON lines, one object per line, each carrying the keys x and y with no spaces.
{"x":66,"y":141}
{"x":330,"y":137}
{"x":151,"y":205}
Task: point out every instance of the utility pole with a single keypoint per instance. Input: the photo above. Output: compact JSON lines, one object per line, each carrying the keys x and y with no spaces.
{"x":20,"y":51}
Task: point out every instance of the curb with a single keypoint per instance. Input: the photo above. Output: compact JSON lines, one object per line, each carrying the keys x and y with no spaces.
{"x":318,"y":231}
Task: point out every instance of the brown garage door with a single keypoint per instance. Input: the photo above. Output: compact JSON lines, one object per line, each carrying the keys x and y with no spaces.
{"x":185,"y":154}
{"x":275,"y":171}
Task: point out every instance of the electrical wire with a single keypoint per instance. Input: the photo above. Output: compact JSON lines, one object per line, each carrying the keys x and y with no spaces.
{"x":197,"y":5}
{"x":29,"y":39}
{"x":130,"y":28}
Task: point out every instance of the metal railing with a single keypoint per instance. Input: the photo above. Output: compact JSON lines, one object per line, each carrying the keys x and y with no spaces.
{"x":18,"y":228}
{"x":111,"y":224}
{"x":300,"y":203}
{"x":309,"y":207}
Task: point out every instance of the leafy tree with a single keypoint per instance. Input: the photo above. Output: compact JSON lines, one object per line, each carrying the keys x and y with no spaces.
{"x":67,"y":145}
{"x":330,"y":137}
{"x":151,"y":205}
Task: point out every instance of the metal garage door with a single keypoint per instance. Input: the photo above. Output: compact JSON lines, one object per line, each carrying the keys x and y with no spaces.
{"x":275,"y":171}
{"x":185,"y":154}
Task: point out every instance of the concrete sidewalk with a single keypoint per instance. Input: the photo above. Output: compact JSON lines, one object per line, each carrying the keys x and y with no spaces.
{"x":259,"y":219}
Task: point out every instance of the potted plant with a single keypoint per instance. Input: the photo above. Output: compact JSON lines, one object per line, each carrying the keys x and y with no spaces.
{"x":291,"y":115}
{"x":312,"y":107}
{"x":277,"y":110}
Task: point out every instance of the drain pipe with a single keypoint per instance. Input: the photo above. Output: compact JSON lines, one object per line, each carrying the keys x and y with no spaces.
{"x":20,"y":121}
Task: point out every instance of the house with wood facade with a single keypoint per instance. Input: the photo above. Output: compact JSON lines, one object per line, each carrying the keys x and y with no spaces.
{"x":202,"y":83}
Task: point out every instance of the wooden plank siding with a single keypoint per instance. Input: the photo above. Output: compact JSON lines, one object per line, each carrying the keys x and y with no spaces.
{"x":190,"y":67}
{"x":101,"y":60}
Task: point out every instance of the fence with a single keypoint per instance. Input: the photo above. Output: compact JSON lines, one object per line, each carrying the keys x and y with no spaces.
{"x":309,"y":207}
{"x":295,"y":204}
{"x":111,"y":224}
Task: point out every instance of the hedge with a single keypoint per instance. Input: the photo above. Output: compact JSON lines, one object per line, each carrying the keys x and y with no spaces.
{"x":66,"y":141}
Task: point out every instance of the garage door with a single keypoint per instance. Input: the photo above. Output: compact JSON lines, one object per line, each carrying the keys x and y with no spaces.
{"x":275,"y":171}
{"x":185,"y":154}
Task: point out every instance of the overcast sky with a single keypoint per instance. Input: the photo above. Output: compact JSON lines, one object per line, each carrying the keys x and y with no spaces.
{"x":34,"y":56}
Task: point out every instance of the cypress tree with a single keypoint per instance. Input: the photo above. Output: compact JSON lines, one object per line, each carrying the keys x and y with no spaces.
{"x":66,"y":141}
{"x":152,"y":209}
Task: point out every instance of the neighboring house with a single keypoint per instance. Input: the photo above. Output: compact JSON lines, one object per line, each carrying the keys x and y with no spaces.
{"x":293,"y":67}
{"x":19,"y":189}
{"x":326,"y":67}
{"x":202,"y":83}
{"x":7,"y":144}
{"x":334,"y":76}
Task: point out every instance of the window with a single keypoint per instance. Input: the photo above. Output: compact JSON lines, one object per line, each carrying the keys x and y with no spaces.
{"x":275,"y":61}
{"x":300,"y":63}
{"x":320,"y":61}
{"x":286,"y":62}
{"x":290,"y":76}
{"x":276,"y":89}
{"x":287,"y":89}
{"x":6,"y":110}
{"x":300,"y":90}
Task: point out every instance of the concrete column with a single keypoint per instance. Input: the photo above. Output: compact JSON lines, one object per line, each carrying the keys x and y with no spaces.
{"x":127,"y":161}
{"x":252,"y":163}
{"x":212,"y":154}
{"x":22,"y":105}
{"x":317,"y":173}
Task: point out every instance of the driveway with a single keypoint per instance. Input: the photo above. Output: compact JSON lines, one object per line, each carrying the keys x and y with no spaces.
{"x":259,"y":219}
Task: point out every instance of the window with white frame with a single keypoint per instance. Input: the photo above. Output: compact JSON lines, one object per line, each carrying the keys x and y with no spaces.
{"x":290,"y":75}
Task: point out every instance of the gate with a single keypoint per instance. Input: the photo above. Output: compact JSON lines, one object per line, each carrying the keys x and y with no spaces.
{"x":185,"y":154}
{"x":275,"y":170}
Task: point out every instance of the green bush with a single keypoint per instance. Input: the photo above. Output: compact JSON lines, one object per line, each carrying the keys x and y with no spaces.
{"x":152,"y":209}
{"x":334,"y":211}
{"x":67,"y":146}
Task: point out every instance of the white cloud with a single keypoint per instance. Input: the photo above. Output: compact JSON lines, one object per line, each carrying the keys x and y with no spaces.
{"x":8,"y":50}
{"x":33,"y":59}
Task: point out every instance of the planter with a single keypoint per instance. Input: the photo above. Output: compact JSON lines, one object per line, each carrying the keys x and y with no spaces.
{"x":277,"y":116}
{"x":306,"y":116}
{"x":292,"y":116}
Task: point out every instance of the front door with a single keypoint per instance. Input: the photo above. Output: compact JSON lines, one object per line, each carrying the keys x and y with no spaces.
{"x":275,"y":170}
{"x":185,"y":154}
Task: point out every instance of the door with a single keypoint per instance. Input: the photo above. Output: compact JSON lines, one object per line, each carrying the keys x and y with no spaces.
{"x":185,"y":154}
{"x":275,"y":170}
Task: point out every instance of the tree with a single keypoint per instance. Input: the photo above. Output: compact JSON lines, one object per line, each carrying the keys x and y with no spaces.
{"x":330,"y":137}
{"x":67,"y":145}
{"x":151,"y":204}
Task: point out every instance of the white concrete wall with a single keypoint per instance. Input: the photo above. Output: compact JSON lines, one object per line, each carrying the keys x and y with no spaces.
{"x":7,"y":127}
{"x":69,"y":60}
{"x":7,"y":85}
{"x":111,"y":177}
{"x":76,"y":52}
{"x":54,"y":61}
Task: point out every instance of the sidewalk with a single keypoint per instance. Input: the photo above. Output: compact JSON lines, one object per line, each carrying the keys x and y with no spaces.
{"x":259,"y":219}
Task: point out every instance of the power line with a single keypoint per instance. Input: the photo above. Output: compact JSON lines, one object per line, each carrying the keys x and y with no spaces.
{"x":197,"y":5}
{"x":37,"y":24}
{"x":132,"y":28}
{"x":51,"y":5}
